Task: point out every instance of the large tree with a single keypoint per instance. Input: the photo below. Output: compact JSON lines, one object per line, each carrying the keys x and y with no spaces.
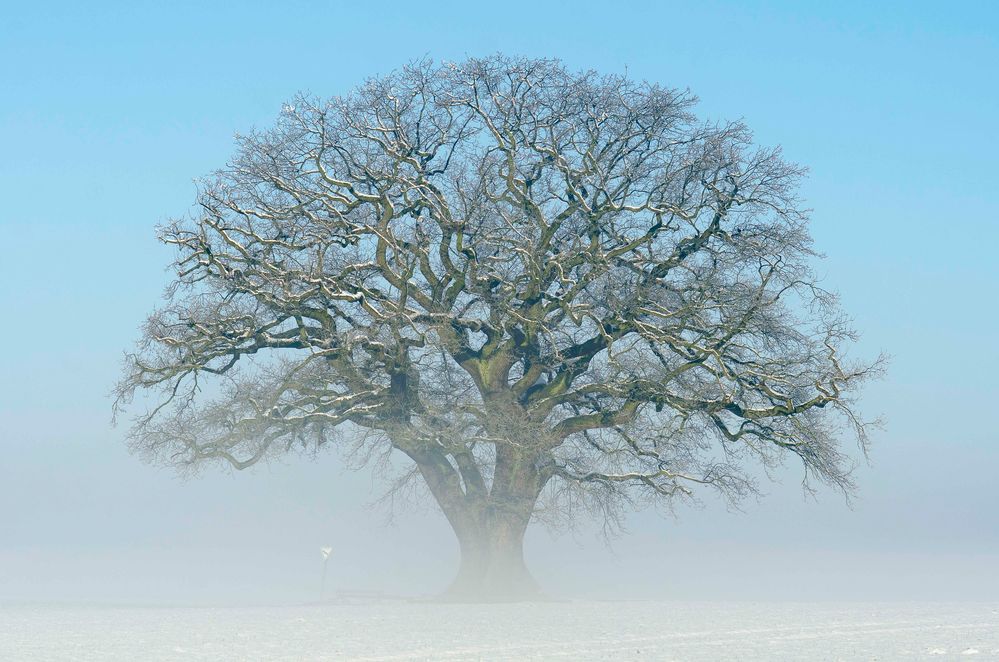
{"x":544,"y":288}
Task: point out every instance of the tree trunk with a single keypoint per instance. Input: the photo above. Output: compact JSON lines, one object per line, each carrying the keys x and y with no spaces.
{"x":492,"y":568}
{"x":489,"y":524}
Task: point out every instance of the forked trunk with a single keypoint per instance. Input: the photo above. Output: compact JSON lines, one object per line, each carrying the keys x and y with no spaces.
{"x":489,"y":523}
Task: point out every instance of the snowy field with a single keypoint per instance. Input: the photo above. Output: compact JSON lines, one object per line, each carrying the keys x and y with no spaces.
{"x":543,"y":631}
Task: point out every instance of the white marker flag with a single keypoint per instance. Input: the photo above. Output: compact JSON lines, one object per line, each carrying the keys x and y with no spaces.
{"x":326,"y":551}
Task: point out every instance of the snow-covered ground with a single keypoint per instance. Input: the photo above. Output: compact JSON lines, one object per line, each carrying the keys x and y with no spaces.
{"x":542,"y":631}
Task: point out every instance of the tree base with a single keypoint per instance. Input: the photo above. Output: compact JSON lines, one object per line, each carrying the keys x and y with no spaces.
{"x":493,"y":583}
{"x":488,"y":594}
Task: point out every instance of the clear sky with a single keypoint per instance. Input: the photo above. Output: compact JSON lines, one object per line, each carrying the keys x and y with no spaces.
{"x":110,"y":110}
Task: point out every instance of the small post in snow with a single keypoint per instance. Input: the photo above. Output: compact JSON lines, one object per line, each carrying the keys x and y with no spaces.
{"x":325,"y":551}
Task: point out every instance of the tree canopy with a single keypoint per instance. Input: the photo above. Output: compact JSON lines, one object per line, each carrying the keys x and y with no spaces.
{"x":543,"y":287}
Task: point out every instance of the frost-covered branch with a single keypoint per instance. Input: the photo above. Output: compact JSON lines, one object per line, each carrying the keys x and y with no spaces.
{"x":513,"y":274}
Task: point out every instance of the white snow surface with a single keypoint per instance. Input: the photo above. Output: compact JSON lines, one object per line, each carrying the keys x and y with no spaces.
{"x":573,"y":630}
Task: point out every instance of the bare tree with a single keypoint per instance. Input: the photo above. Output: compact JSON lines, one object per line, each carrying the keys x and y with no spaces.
{"x":544,"y":288}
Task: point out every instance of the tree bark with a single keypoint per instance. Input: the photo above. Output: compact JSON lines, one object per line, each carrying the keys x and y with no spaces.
{"x":489,"y":525}
{"x":492,"y":568}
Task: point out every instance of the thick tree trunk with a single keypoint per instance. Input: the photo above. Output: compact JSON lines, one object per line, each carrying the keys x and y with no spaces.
{"x":489,"y":524}
{"x":492,"y":568}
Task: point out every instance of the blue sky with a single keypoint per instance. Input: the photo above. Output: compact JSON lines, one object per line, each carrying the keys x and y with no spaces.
{"x":111,"y":110}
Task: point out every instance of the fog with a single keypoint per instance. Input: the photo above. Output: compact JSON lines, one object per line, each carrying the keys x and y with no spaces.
{"x":110,"y":115}
{"x":85,"y":522}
